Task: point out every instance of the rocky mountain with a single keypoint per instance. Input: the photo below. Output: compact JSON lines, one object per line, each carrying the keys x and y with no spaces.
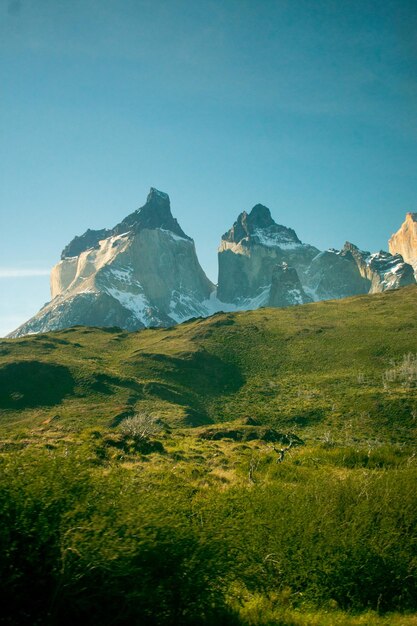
{"x":331,"y":275}
{"x":143,"y":272}
{"x":249,"y":253}
{"x":262,"y":263}
{"x":350,"y":272}
{"x":381,"y":269}
{"x":404,"y":241}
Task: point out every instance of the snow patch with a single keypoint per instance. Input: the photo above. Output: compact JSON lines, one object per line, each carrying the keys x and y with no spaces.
{"x":295,"y":296}
{"x":124,"y":274}
{"x":312,"y":293}
{"x":137,"y":303}
{"x":114,"y":240}
{"x":272,"y":240}
{"x":214,"y":305}
{"x":183,"y":306}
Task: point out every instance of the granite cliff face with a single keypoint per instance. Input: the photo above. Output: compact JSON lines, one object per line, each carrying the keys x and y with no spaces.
{"x":381,"y":269}
{"x":404,"y":241}
{"x":264,"y":264}
{"x":249,"y":253}
{"x":286,"y":288}
{"x":143,"y":272}
{"x":331,"y":276}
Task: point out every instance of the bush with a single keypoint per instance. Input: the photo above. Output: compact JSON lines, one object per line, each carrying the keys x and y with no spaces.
{"x":404,"y":372}
{"x":141,"y":426}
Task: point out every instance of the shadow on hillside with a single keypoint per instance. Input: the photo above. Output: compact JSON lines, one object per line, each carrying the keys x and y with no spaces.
{"x":199,"y":371}
{"x":27,"y":384}
{"x":109,"y":385}
{"x":187,"y":379}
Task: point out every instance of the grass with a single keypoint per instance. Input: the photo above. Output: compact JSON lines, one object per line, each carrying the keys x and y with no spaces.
{"x":84,"y":531}
{"x":141,"y":482}
{"x":316,"y":368}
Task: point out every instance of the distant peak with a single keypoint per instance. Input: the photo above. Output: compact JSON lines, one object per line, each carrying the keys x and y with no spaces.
{"x":154,"y":214}
{"x":156,"y":195}
{"x":412,"y":217}
{"x":351,"y":251}
{"x":348,"y":247}
{"x":257,"y":223}
{"x":261,"y":213}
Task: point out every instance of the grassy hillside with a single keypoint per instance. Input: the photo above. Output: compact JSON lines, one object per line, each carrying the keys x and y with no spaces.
{"x":255,"y":468}
{"x":310,"y":368}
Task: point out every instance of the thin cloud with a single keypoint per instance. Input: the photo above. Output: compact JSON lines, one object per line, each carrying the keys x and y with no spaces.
{"x":9,"y":272}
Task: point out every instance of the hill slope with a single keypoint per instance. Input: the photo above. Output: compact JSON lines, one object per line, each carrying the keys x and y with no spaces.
{"x":318,"y":366}
{"x":206,"y":508}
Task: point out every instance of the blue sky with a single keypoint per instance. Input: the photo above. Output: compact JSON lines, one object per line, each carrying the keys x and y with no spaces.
{"x":308,"y":106}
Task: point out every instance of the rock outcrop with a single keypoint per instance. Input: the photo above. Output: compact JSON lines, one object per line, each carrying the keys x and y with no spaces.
{"x":404,"y":241}
{"x":144,"y":272}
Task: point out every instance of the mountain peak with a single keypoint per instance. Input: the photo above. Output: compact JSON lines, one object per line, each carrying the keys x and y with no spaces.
{"x":350,"y":247}
{"x":259,"y":227}
{"x":155,"y":195}
{"x":155,"y":213}
{"x":260,"y":217}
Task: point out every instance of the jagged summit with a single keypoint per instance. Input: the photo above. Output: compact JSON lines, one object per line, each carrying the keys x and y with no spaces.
{"x":350,"y":247}
{"x":143,"y":272}
{"x":155,"y":213}
{"x":382,"y":269}
{"x":259,"y":217}
{"x":249,"y":252}
{"x":258,"y":226}
{"x":157,"y":195}
{"x":83,"y":242}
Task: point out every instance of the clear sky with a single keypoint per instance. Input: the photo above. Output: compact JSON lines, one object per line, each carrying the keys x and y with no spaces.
{"x":307,"y":106}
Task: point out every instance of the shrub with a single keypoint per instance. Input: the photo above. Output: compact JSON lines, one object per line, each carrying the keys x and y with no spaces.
{"x":404,"y":372}
{"x":141,"y":426}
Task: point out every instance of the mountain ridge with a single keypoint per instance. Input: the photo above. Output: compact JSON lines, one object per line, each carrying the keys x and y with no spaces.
{"x":145,"y":272}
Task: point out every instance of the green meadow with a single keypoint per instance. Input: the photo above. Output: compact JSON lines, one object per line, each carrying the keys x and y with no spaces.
{"x":253,"y":468}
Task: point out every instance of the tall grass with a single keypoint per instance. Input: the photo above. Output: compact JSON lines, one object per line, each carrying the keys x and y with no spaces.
{"x":127,"y":547}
